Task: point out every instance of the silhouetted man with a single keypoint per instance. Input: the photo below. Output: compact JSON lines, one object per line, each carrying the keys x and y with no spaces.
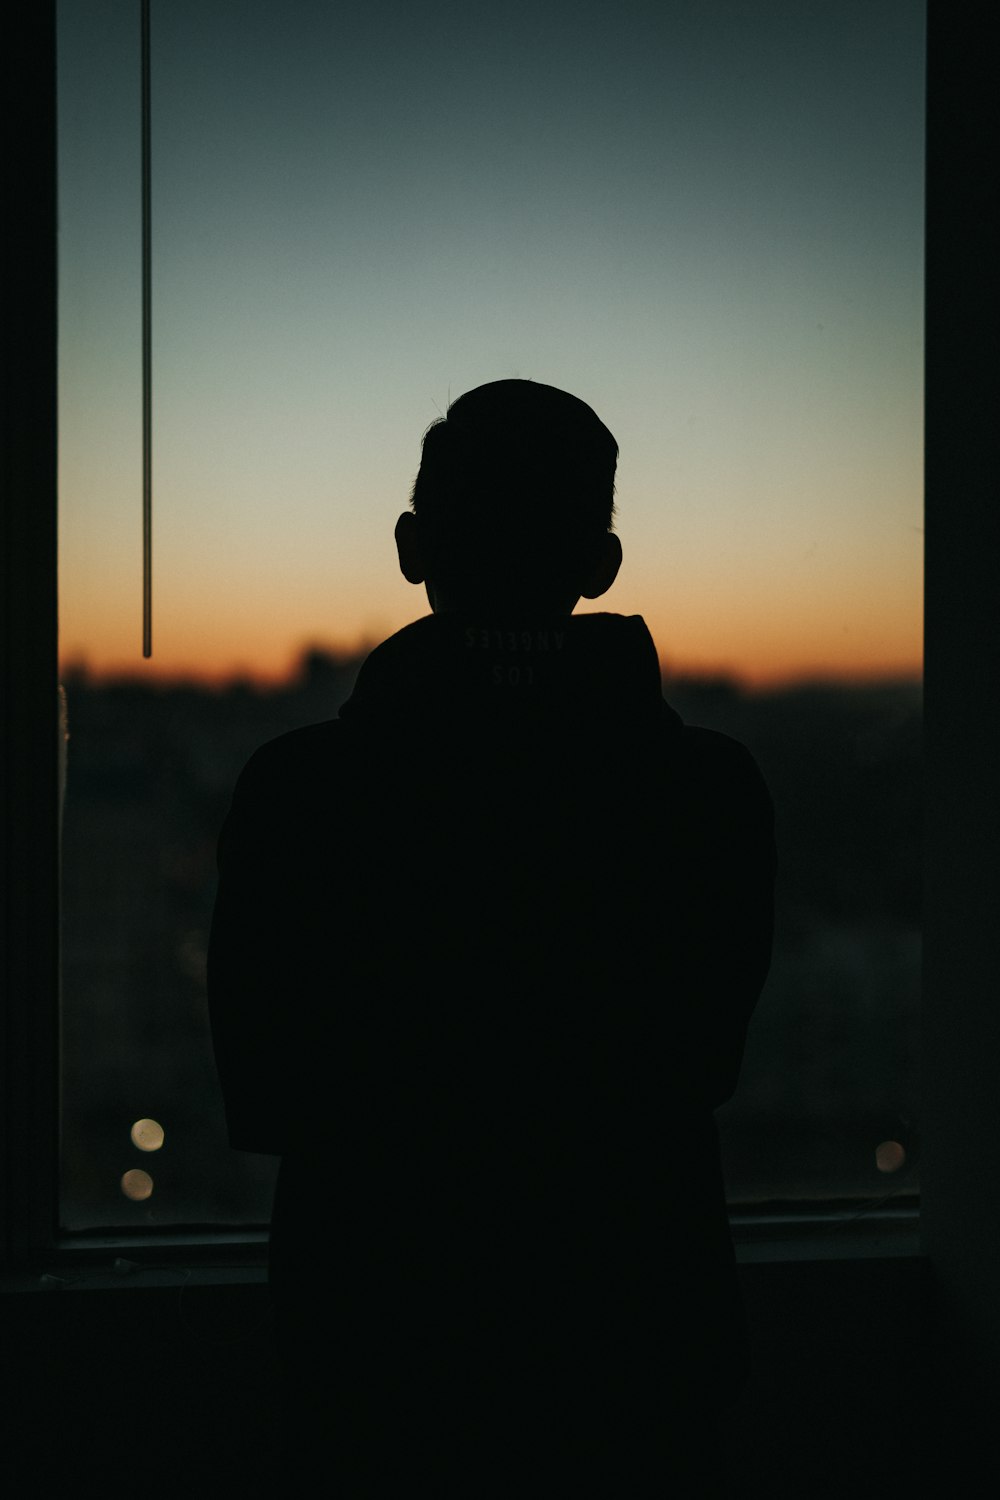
{"x":483,"y":957}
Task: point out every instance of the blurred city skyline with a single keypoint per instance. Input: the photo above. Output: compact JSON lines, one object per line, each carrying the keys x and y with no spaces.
{"x":831,"y":1065}
{"x":703,"y":217}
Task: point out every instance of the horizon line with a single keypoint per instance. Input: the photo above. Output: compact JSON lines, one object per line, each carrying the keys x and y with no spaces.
{"x":297,"y":673}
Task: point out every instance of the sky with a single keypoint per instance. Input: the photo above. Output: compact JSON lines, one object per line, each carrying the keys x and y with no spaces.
{"x":704,"y":217}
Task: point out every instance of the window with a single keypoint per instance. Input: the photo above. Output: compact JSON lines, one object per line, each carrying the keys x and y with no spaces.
{"x":879,"y":724}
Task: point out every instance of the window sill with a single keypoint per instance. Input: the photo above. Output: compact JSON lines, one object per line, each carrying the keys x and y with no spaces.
{"x":203,"y":1257}
{"x":185,"y":1257}
{"x":817,"y":1234}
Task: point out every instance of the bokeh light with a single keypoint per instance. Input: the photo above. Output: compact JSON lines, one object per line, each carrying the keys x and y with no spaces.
{"x":147,"y":1135}
{"x":890,"y":1156}
{"x":137,"y":1185}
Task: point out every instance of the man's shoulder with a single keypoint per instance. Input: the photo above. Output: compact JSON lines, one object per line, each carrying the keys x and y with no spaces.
{"x":298,"y":744}
{"x":716,"y":752}
{"x":292,"y":759}
{"x":723,"y":779}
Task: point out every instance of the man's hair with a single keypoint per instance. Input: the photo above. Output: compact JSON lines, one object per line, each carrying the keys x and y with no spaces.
{"x":514,"y":462}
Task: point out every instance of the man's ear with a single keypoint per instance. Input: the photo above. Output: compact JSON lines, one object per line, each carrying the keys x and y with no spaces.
{"x":411,"y":563}
{"x":604,"y":569}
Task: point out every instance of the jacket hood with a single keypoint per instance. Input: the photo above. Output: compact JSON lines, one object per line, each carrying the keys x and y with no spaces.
{"x":589,"y":667}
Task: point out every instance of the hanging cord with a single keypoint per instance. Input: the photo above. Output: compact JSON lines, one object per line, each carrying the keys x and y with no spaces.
{"x":147,"y":355}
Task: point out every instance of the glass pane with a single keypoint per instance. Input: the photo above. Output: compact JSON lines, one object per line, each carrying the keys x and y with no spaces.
{"x":705,"y":220}
{"x":831,"y":1068}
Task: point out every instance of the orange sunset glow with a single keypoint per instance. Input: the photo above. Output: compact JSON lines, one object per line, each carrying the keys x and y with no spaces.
{"x":762,"y":642}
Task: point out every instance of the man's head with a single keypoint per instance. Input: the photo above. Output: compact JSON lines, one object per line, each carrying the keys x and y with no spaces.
{"x":513,"y":503}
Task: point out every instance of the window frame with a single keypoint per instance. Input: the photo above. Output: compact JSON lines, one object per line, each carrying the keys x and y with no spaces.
{"x":29,"y":762}
{"x":29,"y":759}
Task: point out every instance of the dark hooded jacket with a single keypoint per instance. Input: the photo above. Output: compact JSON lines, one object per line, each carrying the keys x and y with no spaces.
{"x":484,"y":953}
